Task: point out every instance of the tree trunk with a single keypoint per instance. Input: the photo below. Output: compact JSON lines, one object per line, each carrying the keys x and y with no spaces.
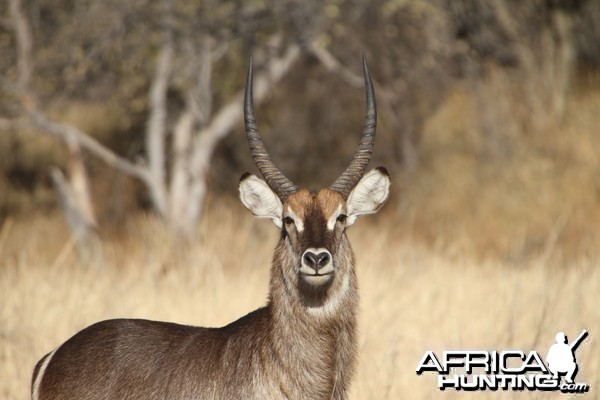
{"x":156,"y":129}
{"x":76,"y":204}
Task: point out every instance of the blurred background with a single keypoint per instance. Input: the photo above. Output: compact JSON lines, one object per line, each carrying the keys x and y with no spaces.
{"x":121,"y":146}
{"x":486,"y":110}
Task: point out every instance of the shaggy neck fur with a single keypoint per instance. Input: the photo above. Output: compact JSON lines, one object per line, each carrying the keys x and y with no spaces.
{"x":314,"y":332}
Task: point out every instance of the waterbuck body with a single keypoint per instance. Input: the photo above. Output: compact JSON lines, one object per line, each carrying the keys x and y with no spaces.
{"x":301,"y":345}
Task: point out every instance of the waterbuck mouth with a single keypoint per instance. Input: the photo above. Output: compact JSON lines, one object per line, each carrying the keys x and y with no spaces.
{"x":317,"y":279}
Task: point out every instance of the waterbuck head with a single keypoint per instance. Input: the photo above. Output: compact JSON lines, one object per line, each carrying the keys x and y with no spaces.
{"x":313,"y":253}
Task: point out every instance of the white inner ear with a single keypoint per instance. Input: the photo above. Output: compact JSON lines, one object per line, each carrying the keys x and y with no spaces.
{"x":258,"y":197}
{"x":368,"y":195}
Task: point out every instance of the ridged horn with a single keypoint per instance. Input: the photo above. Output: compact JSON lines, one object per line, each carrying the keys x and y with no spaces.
{"x":281,"y":185}
{"x":355,"y":171}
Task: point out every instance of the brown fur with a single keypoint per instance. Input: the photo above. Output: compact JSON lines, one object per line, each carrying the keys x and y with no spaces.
{"x":301,"y":345}
{"x":325,"y":200}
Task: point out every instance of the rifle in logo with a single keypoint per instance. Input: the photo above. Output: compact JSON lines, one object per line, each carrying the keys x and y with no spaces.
{"x":561,"y":356}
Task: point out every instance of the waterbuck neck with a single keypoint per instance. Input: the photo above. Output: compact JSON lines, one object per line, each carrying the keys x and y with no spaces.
{"x":319,"y":340}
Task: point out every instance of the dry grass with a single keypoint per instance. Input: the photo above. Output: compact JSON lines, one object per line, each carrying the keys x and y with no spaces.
{"x":412,"y":300}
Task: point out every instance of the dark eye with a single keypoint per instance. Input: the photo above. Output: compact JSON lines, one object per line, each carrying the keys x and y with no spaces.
{"x":288,"y":220}
{"x":342,"y":218}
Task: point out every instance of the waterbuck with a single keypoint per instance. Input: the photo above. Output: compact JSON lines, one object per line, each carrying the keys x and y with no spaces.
{"x":301,"y":345}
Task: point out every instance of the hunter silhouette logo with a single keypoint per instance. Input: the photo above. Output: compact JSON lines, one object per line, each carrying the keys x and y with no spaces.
{"x":509,"y":369}
{"x":561,"y":356}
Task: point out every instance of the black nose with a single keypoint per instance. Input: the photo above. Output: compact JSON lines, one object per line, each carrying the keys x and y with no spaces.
{"x":316,"y":261}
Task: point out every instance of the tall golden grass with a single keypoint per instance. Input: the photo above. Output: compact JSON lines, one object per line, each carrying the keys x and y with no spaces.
{"x":412,"y":299}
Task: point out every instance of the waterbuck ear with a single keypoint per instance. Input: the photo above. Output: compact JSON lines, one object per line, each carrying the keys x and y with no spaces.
{"x":369,"y":194}
{"x":258,"y":197}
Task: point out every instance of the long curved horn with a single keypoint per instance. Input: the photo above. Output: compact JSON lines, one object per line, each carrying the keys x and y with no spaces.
{"x":355,"y":171}
{"x":281,"y":185}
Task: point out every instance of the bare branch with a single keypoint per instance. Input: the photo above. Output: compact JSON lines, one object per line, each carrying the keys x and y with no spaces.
{"x":24,"y":40}
{"x":333,"y":65}
{"x":69,"y":133}
{"x":229,"y":115}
